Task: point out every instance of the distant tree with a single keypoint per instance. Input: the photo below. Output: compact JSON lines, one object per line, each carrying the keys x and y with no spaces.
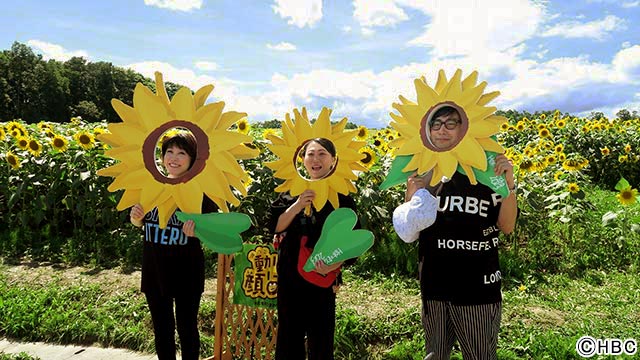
{"x":87,"y":110}
{"x":624,"y":115}
{"x":269,"y":124}
{"x":594,"y":115}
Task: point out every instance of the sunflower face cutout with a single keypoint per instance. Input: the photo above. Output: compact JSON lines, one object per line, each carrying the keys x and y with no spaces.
{"x":476,"y":127}
{"x":338,"y":174}
{"x":215,"y":170}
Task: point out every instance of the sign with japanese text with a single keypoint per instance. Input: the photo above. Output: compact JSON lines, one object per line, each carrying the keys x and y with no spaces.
{"x":256,"y":279}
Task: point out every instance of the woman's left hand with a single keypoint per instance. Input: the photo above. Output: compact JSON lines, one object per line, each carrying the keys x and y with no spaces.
{"x":324,"y":269}
{"x":189,"y":228}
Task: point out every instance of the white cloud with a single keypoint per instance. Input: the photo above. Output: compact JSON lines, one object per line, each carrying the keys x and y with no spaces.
{"x":301,"y":12}
{"x":206,"y":65}
{"x":172,"y":74}
{"x":282,"y":46}
{"x":625,"y":44}
{"x":367,"y":31}
{"x":346,"y":29}
{"x":596,"y":29}
{"x":630,"y":4}
{"x":178,"y":5}
{"x":56,"y":52}
{"x":460,"y":27}
{"x":326,"y":83}
{"x":627,"y":63}
{"x":371,"y":13}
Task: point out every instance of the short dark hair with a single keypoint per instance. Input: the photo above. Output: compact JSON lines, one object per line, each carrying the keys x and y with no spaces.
{"x":325,"y":143}
{"x":443,"y":111}
{"x":182,"y":140}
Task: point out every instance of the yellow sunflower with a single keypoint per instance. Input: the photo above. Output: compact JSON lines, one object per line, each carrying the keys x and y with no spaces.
{"x":13,"y":160}
{"x":605,"y":151}
{"x":627,"y":196}
{"x":269,"y":132}
{"x":22,"y":142}
{"x":34,"y":147}
{"x":370,"y":157}
{"x":243,"y":126}
{"x":362,"y":133}
{"x":573,"y":188}
{"x":627,"y":148}
{"x":572,"y":165}
{"x":623,"y":159}
{"x":215,"y":170}
{"x":85,"y":139}
{"x":296,"y":133}
{"x":478,"y":125}
{"x":59,"y":143}
{"x":2,"y":133}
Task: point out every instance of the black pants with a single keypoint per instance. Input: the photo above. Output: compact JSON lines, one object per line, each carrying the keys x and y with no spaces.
{"x":164,"y":325}
{"x":305,"y":309}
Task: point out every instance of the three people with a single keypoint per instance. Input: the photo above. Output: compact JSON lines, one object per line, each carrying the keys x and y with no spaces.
{"x":459,"y":269}
{"x":173,"y":262}
{"x":306,"y":301}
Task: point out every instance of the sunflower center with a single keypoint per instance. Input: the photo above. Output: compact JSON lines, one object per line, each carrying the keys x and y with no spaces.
{"x":58,"y":143}
{"x":33,"y":145}
{"x":367,"y":158}
{"x":12,"y":160}
{"x":84,"y":139}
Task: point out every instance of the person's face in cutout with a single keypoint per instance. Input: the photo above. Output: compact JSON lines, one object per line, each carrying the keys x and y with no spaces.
{"x":445,"y":130}
{"x":317,"y":160}
{"x":176,"y":161}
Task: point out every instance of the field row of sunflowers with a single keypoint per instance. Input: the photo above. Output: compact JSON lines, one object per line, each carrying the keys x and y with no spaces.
{"x":51,"y":190}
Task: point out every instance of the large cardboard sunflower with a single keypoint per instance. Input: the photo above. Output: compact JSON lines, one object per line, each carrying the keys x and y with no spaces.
{"x":134,"y":143}
{"x":295,"y":134}
{"x":478,"y":126}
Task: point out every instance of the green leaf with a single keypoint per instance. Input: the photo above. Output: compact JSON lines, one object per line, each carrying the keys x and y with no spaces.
{"x":338,"y":241}
{"x":622,"y":184}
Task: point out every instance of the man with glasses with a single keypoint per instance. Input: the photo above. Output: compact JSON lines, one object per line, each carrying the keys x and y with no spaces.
{"x":459,"y":266}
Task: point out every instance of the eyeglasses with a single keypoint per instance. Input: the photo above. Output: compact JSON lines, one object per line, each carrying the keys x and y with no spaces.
{"x":449,"y":124}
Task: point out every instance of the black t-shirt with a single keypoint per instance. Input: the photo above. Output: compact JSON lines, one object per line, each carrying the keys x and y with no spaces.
{"x":459,"y":252}
{"x":301,"y":225}
{"x":172,"y":263}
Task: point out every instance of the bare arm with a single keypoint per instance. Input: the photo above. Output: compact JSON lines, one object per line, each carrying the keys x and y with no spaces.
{"x":509,"y":208}
{"x":285,"y":219}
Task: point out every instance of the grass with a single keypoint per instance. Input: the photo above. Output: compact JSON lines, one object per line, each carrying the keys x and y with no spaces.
{"x":20,"y":356}
{"x":377,"y":317}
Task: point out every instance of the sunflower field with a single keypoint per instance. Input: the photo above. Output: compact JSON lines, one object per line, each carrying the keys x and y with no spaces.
{"x":576,"y":193}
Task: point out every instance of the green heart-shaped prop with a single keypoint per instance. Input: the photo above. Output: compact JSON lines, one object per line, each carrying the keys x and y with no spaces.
{"x":396,"y":176}
{"x":219,"y":232}
{"x":497,"y":183}
{"x":338,"y":241}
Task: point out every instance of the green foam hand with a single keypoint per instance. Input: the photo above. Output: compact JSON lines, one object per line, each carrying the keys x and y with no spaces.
{"x":219,"y":232}
{"x":338,"y":241}
{"x":396,"y":176}
{"x":497,"y":183}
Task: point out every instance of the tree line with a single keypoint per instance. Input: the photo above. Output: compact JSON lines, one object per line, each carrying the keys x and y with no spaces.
{"x":34,"y":89}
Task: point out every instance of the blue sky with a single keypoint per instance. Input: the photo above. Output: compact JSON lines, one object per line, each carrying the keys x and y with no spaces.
{"x":354,"y":56}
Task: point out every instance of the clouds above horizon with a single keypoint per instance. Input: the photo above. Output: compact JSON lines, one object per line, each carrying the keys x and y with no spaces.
{"x":177,"y":5}
{"x":513,"y":45}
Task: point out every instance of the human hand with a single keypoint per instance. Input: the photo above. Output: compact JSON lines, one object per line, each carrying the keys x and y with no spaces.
{"x":305,"y":199}
{"x":324,"y":269}
{"x":189,"y":228}
{"x":136,"y":215}
{"x":505,"y":166}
